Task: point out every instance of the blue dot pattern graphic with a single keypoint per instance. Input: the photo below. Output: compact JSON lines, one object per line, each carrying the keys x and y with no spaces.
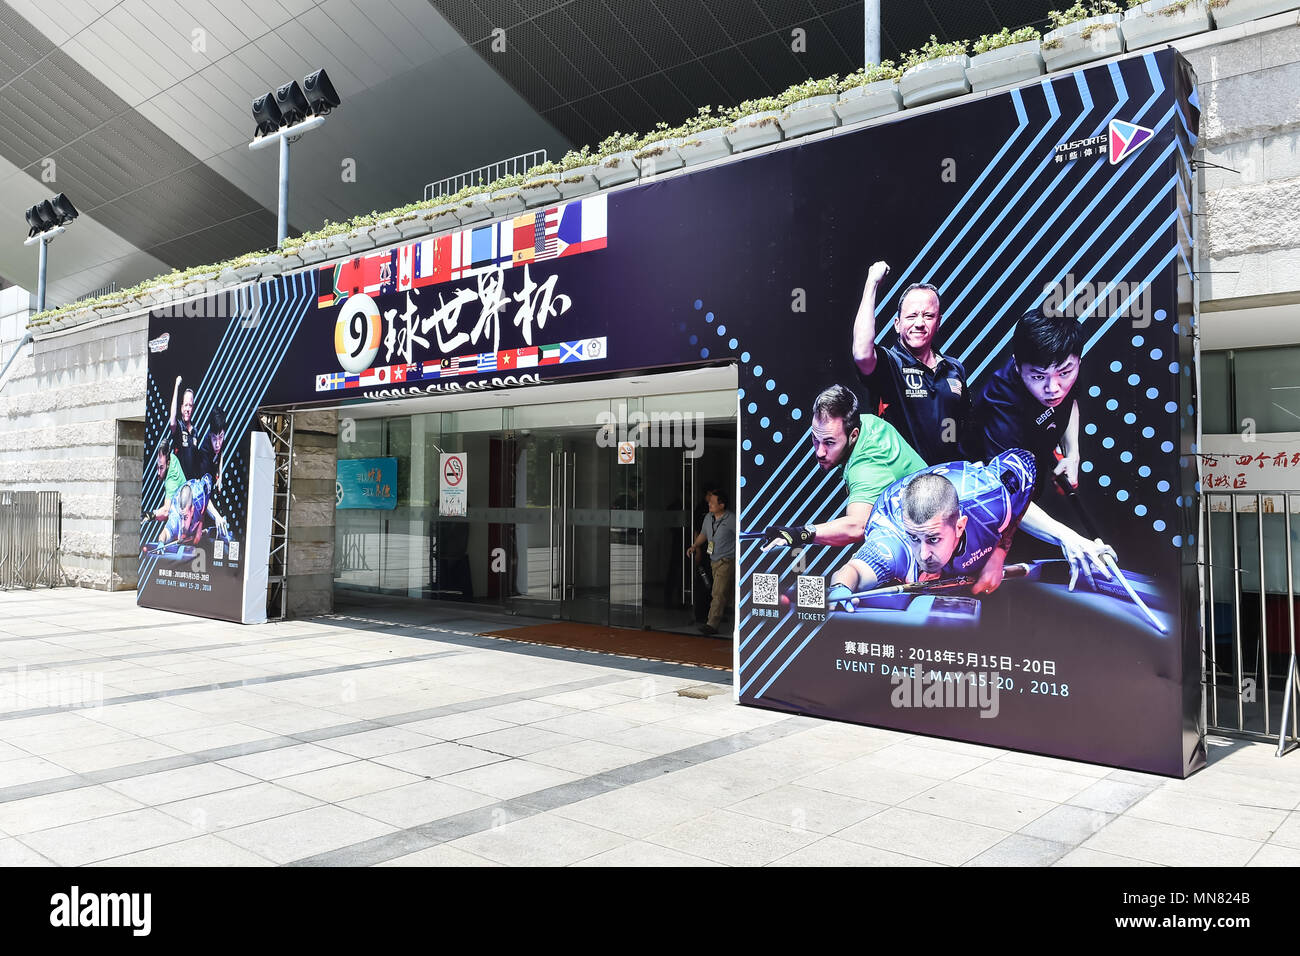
{"x":771,"y":417}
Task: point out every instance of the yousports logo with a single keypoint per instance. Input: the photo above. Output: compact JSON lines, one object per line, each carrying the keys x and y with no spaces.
{"x":1126,"y":139}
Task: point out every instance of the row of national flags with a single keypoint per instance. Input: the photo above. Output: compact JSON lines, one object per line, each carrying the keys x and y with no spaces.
{"x":507,"y":360}
{"x":555,"y":232}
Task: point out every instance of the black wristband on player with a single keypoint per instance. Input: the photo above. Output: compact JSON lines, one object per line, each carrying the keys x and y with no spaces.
{"x":791,"y":536}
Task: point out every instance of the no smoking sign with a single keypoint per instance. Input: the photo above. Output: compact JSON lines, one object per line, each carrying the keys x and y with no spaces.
{"x":452,"y":486}
{"x":453,"y":470}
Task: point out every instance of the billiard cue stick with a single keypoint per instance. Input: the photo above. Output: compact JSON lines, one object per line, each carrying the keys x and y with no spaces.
{"x":1073,"y":497}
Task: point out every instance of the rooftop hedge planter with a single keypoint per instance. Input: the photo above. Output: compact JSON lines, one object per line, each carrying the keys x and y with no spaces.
{"x":357,"y":239}
{"x":541,"y":189}
{"x":313,"y":251}
{"x":615,"y":169}
{"x":473,"y":209}
{"x":154,"y":296}
{"x":103,"y":311}
{"x":442,"y":216}
{"x":384,"y":232}
{"x":811,"y":115}
{"x":934,"y":80}
{"x":252,"y":270}
{"x":757,"y":129}
{"x":1005,"y":66}
{"x":1158,"y":21}
{"x":576,"y":181}
{"x":502,"y":202}
{"x":269,"y":264}
{"x":868,"y":101}
{"x":197,"y":284}
{"x":1083,"y":41}
{"x":335,"y":245}
{"x":704,"y":146}
{"x":658,"y":157}
{"x":410,"y":224}
{"x":1226,"y":13}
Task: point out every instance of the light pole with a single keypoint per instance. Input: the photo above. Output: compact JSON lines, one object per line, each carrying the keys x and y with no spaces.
{"x":871,"y":31}
{"x":46,"y":220}
{"x":282,"y":117}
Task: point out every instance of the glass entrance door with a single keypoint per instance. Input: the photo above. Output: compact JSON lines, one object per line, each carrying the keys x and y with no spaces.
{"x":591,"y":536}
{"x":557,"y":514}
{"x":674,"y":596}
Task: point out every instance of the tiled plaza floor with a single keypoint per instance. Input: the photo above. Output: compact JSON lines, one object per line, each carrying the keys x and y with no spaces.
{"x":372,"y":740}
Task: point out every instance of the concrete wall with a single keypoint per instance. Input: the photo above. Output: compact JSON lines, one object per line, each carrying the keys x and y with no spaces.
{"x":1249,"y":82}
{"x":60,"y":406}
{"x":72,"y":410}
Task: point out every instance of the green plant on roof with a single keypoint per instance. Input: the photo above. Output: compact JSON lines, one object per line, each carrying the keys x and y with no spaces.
{"x":1170,"y":9}
{"x":542,"y":169}
{"x":1004,"y":38}
{"x":871,"y":73}
{"x":616,"y":143}
{"x":808,"y":89}
{"x":933,"y":50}
{"x":703,"y":119}
{"x":1082,"y":10}
{"x":763,"y":104}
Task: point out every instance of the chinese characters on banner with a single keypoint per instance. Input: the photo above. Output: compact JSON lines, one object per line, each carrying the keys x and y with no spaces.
{"x":1251,"y":466}
{"x":407,"y":329}
{"x":366,"y":483}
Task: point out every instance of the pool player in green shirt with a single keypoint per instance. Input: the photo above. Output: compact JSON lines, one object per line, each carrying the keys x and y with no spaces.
{"x":873,"y":455}
{"x":170,"y":474}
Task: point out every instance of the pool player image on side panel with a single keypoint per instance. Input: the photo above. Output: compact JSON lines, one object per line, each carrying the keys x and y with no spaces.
{"x":919,"y":391}
{"x":185,"y":519}
{"x":172,"y":477}
{"x":872,"y":455}
{"x":958,"y":520}
{"x":1028,"y":402}
{"x":211,"y":457}
{"x":184,"y":436}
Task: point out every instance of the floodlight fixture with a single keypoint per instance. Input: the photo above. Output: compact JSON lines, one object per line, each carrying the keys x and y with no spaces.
{"x":282,"y":118}
{"x":320,"y":93}
{"x":292,"y":104}
{"x":267,"y":114}
{"x":64,"y":211}
{"x":45,"y":220}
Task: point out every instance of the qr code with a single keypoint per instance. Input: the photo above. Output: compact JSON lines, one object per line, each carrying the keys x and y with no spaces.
{"x":812,"y":592}
{"x":767,"y":589}
{"x":234,"y":551}
{"x":218,"y":549}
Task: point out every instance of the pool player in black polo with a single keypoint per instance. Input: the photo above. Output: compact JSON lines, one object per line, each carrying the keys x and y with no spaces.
{"x":1028,"y":402}
{"x":183,"y":435}
{"x":917,"y":390}
{"x":211,"y":457}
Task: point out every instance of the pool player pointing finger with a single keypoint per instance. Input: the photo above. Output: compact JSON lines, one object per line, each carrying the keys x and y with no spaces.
{"x":914,"y":388}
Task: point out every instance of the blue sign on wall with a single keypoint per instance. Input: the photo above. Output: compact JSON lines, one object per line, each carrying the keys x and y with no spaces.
{"x":366,"y":483}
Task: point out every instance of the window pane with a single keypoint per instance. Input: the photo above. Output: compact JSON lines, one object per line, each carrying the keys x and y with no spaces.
{"x":358,"y":532}
{"x":1268,"y":388}
{"x":1216,"y":411}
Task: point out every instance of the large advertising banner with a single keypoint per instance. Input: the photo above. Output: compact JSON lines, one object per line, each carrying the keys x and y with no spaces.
{"x":968,"y":487}
{"x":969,"y":469}
{"x":210,"y":362}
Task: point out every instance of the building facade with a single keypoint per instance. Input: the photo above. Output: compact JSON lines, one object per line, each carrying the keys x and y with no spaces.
{"x":73,"y":401}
